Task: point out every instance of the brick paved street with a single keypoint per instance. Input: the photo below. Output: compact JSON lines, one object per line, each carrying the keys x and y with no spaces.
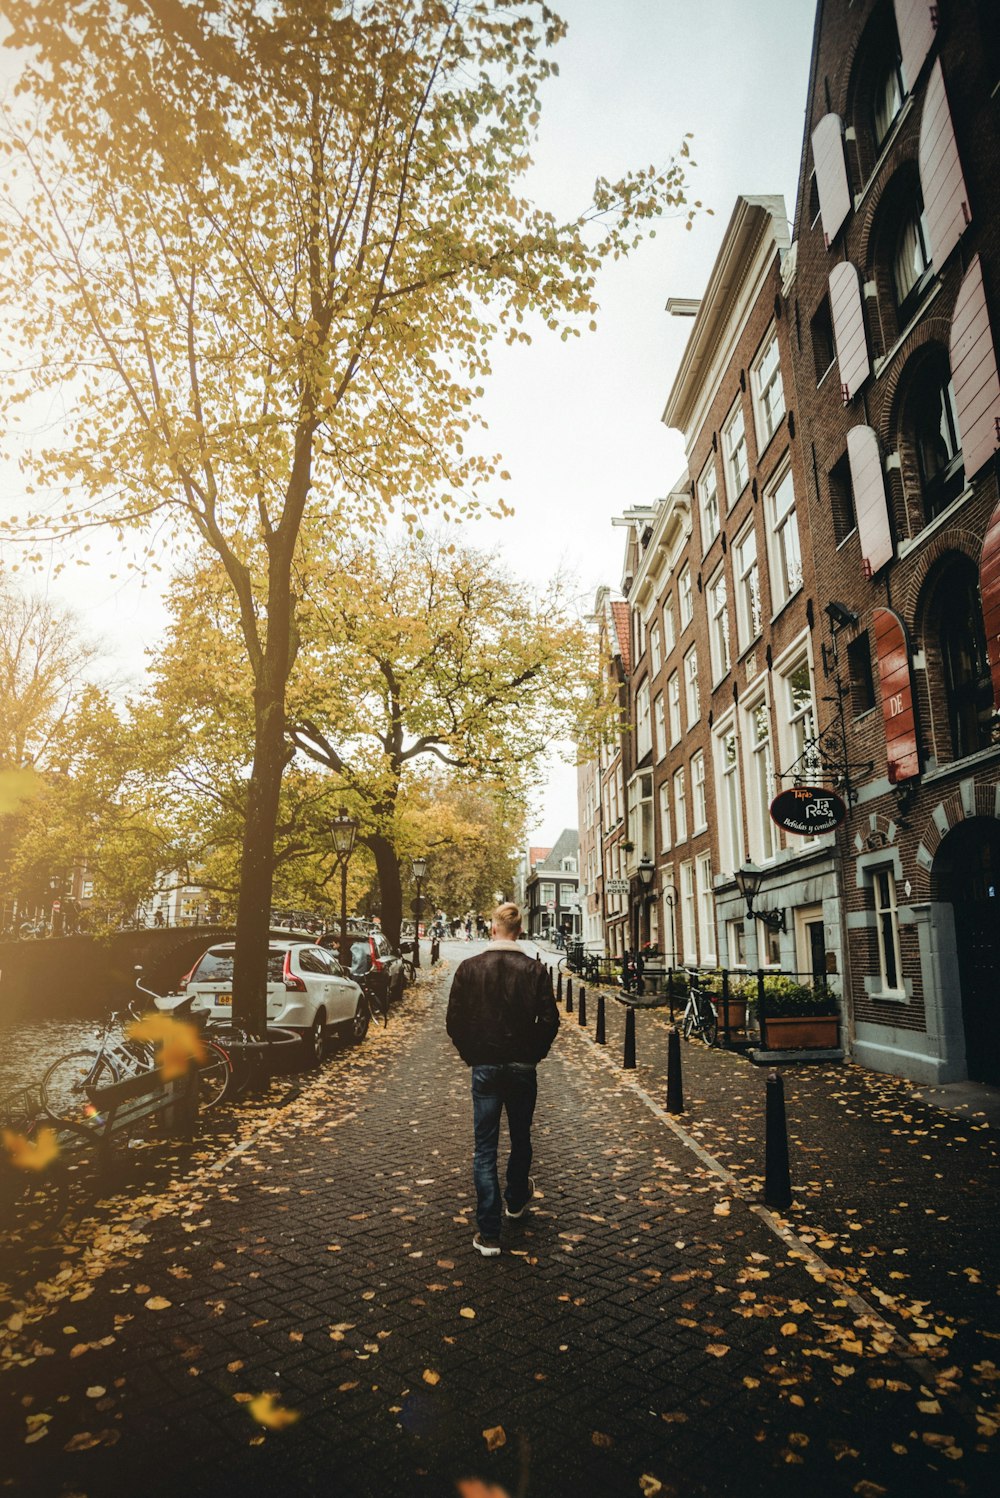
{"x":646,"y":1324}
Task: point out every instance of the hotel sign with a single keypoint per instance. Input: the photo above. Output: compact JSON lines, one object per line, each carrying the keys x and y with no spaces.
{"x":807,"y":811}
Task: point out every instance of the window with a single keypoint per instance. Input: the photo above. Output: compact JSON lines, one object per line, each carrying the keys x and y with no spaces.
{"x":786,"y":559}
{"x":887,"y":929}
{"x":814,"y":207}
{"x":965,"y":667}
{"x":708,"y":504}
{"x":659,"y":728}
{"x":680,"y":807}
{"x":706,"y":907}
{"x":646,"y":845}
{"x":889,"y":93}
{"x":643,"y":738}
{"x":859,"y":666}
{"x":931,"y":425}
{"x":691,"y":685}
{"x":842,"y":499}
{"x":911,"y":263}
{"x":768,"y":391}
{"x":664,"y":798}
{"x":686,"y":599}
{"x":699,"y":803}
{"x":760,"y":781}
{"x":718,"y":626}
{"x":736,"y":942}
{"x":674,"y":704}
{"x":800,"y":718}
{"x":734,"y":446}
{"x":546,"y":893}
{"x":655,"y":654}
{"x":669,"y":633}
{"x":747,"y":576}
{"x":821,"y":328}
{"x":728,"y":803}
{"x":689,"y":930}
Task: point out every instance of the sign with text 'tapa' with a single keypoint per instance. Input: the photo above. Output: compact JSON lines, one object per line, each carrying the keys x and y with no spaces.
{"x":807,"y":810}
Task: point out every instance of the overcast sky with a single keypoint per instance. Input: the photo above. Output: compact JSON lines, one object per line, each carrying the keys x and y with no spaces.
{"x":579,"y":423}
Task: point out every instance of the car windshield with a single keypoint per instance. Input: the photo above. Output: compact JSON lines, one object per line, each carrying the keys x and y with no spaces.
{"x":361,"y":956}
{"x":217,"y":967}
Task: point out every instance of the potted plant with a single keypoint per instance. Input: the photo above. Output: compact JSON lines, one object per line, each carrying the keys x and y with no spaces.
{"x":798,"y":1016}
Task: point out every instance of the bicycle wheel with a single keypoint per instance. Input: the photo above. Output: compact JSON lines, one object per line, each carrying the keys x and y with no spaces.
{"x":376,"y":1013}
{"x":688,"y":1024}
{"x":213,"y":1075}
{"x":409,"y":972}
{"x":709,"y":1024}
{"x":63,"y":1094}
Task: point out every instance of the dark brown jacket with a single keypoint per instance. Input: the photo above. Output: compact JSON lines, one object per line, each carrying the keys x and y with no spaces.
{"x":501,"y":1007}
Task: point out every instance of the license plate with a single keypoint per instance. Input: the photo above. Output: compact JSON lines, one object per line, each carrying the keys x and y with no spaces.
{"x":225,"y":999}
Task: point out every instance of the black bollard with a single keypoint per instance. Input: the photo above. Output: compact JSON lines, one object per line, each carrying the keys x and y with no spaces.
{"x":559,"y":989}
{"x":582,"y":1006}
{"x":569,"y":995}
{"x":675,"y":1089}
{"x":628,"y":1061}
{"x":599,"y":1034}
{"x":777,"y":1180}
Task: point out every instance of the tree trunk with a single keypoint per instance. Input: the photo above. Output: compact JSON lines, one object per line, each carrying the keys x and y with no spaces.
{"x":390,"y":886}
{"x":253,"y":911}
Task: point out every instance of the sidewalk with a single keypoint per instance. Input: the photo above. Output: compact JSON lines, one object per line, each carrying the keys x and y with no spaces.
{"x":646,"y":1330}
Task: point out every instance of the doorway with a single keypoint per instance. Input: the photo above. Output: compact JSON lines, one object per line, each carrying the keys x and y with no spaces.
{"x":966,"y":874}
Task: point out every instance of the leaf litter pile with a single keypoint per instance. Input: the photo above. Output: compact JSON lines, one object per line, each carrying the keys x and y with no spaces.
{"x":707,"y":1313}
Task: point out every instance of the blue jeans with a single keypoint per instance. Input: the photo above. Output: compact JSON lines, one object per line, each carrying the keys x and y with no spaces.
{"x":514,"y":1087}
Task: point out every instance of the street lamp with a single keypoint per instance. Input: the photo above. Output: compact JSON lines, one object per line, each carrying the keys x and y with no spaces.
{"x":55,"y":887}
{"x":749,"y":880}
{"x":344,"y":829}
{"x":419,"y":870}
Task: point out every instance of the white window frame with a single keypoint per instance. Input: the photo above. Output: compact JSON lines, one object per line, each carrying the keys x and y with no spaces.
{"x":758,"y":780}
{"x":685,"y":596}
{"x":736,"y":944}
{"x":643,"y":729}
{"x":746,"y":585}
{"x":728,"y":795}
{"x":736,"y":459}
{"x":797,"y":723}
{"x":655,"y":652}
{"x":674,"y":706}
{"x":717,"y":597}
{"x":546,"y":891}
{"x":784,"y":546}
{"x":689,"y":924}
{"x":659,"y":728}
{"x":708,"y":503}
{"x":680,"y":806}
{"x":691,"y":699}
{"x":699,"y":793}
{"x":887,"y":923}
{"x":669,"y":627}
{"x":706,"y":908}
{"x":664,"y":807}
{"x":768,"y":388}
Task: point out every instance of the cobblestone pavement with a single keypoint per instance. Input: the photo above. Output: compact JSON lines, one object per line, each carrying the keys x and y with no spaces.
{"x":647,"y":1330}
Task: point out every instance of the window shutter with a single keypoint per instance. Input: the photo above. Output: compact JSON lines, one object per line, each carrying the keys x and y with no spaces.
{"x":974,"y":373}
{"x":902,"y":758}
{"x":946,"y":197}
{"x":849,"y":327}
{"x":831,"y":174}
{"x":915,"y":27}
{"x":870,"y":504}
{"x":989,"y":587}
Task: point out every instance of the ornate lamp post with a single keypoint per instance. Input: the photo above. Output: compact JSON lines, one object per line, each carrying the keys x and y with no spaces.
{"x":419,"y":870}
{"x":344,"y":830}
{"x":749,"y":880}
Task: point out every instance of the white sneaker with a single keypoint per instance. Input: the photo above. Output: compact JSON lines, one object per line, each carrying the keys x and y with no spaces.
{"x":509,"y":1212}
{"x":488,"y":1247}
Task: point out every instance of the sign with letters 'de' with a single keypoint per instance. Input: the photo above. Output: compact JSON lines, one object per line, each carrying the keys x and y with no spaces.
{"x":807,"y":811}
{"x":896,"y":687}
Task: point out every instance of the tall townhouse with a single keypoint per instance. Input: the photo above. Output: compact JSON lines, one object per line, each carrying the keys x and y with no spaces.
{"x":745,"y":667}
{"x":894,"y":312}
{"x":588,"y":802}
{"x":613,"y":634}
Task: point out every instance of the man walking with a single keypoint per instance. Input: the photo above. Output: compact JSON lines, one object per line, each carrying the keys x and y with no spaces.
{"x":502,"y":1018}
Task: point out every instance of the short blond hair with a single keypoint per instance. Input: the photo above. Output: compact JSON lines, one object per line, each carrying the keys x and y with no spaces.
{"x":507,"y":919}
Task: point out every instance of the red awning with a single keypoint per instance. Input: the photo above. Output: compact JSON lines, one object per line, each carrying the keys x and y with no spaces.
{"x":896,"y":686}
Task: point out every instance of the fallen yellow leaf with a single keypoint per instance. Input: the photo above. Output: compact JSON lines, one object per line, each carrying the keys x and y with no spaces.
{"x":158,"y":1303}
{"x":789,"y":1328}
{"x":468,"y":1313}
{"x":495,"y":1437}
{"x":266,"y":1410}
{"x":649,"y":1485}
{"x":30,"y":1154}
{"x":600,"y":1439}
{"x":717,"y":1349}
{"x":430,"y":1377}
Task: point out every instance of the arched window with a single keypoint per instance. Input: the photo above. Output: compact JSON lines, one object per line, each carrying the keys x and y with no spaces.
{"x":931,"y":430}
{"x":912,"y":270}
{"x":955,"y":619}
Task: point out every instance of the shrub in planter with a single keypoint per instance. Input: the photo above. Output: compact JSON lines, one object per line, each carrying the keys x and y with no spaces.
{"x":786,"y":999}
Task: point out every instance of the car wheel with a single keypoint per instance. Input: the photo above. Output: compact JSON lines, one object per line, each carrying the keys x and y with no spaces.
{"x":315,"y":1041}
{"x":359,"y":1024}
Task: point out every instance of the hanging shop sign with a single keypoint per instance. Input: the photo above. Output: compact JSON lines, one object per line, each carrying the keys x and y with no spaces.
{"x":807,"y":810}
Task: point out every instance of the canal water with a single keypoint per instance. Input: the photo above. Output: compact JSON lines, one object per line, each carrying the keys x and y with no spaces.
{"x":26,"y":1051}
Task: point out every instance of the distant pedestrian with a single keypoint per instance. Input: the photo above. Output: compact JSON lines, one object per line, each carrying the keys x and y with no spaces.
{"x":502,"y":1019}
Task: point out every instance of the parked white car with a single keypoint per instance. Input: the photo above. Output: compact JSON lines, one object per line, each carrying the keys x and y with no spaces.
{"x":307,"y":991}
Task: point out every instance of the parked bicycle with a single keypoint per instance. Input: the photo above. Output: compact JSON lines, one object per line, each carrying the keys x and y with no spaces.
{"x":117,"y":1056}
{"x":699,"y":1017}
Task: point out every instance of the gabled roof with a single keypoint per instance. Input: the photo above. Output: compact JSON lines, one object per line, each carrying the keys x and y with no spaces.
{"x":537,"y":855}
{"x":620,"y":615}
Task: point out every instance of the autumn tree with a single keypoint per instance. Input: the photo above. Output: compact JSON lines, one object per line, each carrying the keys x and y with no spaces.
{"x":257,"y":251}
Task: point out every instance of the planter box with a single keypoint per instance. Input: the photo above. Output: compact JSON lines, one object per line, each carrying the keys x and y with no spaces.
{"x":734,"y":1011}
{"x":801,"y":1032}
